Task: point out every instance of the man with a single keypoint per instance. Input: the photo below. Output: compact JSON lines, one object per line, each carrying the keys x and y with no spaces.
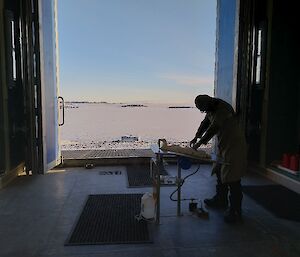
{"x":221,"y":120}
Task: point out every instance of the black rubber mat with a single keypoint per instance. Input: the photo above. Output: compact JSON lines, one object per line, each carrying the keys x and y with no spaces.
{"x":110,"y":219}
{"x":139,"y":175}
{"x":279,"y":200}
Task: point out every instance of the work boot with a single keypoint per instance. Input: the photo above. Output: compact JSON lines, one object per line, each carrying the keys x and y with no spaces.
{"x":234,"y":213}
{"x":232,"y":216}
{"x":220,"y":200}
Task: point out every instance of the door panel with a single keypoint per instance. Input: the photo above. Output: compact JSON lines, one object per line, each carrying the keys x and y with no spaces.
{"x":226,"y":50}
{"x":49,"y":82}
{"x":29,"y":102}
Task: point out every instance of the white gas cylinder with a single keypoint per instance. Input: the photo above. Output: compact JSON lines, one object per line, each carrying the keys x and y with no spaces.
{"x":148,"y":206}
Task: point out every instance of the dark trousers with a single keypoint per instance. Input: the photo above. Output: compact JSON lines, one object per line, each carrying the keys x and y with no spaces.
{"x":235,"y":192}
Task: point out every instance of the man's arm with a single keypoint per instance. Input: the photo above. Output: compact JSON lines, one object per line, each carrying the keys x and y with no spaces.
{"x":202,"y":128}
{"x":210,"y":132}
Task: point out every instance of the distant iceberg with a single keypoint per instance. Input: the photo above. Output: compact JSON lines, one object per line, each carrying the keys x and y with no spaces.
{"x":71,"y":106}
{"x":133,"y":105}
{"x":129,"y":138}
{"x":183,"y":107}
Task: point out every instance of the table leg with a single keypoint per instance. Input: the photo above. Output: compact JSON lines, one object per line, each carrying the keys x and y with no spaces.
{"x":178,"y":189}
{"x":159,"y":165}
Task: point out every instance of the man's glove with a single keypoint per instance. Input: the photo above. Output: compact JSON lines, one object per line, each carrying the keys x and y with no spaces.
{"x":200,"y":142}
{"x":197,"y":145}
{"x":193,"y":142}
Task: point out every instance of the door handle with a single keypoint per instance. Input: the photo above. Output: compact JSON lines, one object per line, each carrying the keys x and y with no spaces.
{"x":62,"y":101}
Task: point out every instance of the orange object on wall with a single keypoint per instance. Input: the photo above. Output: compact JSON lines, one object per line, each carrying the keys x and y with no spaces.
{"x":294,"y":162}
{"x":286,"y":160}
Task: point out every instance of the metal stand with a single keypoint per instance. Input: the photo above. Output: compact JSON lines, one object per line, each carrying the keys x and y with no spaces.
{"x":155,"y":163}
{"x":156,"y":167}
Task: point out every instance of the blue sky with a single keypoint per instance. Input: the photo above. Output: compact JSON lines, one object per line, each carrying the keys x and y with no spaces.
{"x":136,"y":50}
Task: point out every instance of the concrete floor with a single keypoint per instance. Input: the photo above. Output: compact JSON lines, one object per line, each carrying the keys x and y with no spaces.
{"x":37,"y":214}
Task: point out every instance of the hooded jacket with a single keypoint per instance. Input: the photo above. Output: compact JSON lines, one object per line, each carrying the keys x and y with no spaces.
{"x":220,"y":120}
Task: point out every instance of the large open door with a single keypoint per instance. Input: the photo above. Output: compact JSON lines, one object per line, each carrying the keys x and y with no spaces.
{"x":251,"y":74}
{"x":29,"y":92}
{"x":226,"y":50}
{"x":49,"y":82}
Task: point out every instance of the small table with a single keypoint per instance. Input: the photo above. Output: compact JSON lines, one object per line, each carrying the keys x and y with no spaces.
{"x":155,"y":174}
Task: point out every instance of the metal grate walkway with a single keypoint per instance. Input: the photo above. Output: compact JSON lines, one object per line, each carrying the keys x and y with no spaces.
{"x":106,"y":154}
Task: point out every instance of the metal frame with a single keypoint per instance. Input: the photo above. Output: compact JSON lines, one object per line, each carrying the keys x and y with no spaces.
{"x":27,"y":77}
{"x":33,"y":86}
{"x":155,"y":174}
{"x":247,"y":58}
{"x":157,"y":162}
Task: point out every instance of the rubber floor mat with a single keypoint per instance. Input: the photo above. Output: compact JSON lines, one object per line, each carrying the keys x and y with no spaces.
{"x":279,"y":200}
{"x":110,"y":219}
{"x":139,"y":175}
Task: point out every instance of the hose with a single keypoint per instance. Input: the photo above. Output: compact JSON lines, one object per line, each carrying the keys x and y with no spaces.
{"x":181,"y":184}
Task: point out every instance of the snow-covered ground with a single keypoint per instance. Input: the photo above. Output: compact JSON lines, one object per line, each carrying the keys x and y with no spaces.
{"x":102,"y":125}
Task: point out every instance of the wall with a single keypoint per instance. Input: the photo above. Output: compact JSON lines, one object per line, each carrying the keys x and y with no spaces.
{"x":2,"y":83}
{"x":225,"y":51}
{"x":283,"y":110}
{"x":298,"y":129}
{"x":297,"y":82}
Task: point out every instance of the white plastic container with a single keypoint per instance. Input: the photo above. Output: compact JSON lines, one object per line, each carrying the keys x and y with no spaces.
{"x":148,"y":206}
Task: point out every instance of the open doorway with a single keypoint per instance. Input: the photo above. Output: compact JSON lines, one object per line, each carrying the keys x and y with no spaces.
{"x":130,"y":70}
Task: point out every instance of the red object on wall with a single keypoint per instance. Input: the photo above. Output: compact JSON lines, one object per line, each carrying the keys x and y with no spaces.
{"x":286,"y":160}
{"x":294,"y":162}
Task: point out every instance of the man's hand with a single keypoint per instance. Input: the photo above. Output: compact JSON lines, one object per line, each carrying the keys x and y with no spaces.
{"x":200,"y":142}
{"x":197,"y":145}
{"x":193,"y":142}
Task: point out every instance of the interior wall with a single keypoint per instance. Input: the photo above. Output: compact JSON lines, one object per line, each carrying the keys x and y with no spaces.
{"x":2,"y":82}
{"x":298,"y":114}
{"x":225,"y":49}
{"x":298,"y":108}
{"x":284,"y":111}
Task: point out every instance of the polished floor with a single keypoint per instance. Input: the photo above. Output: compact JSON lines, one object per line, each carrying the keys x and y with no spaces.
{"x":37,"y":214}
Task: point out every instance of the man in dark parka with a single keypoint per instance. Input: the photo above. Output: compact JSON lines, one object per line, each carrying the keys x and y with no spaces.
{"x":220,"y":120}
